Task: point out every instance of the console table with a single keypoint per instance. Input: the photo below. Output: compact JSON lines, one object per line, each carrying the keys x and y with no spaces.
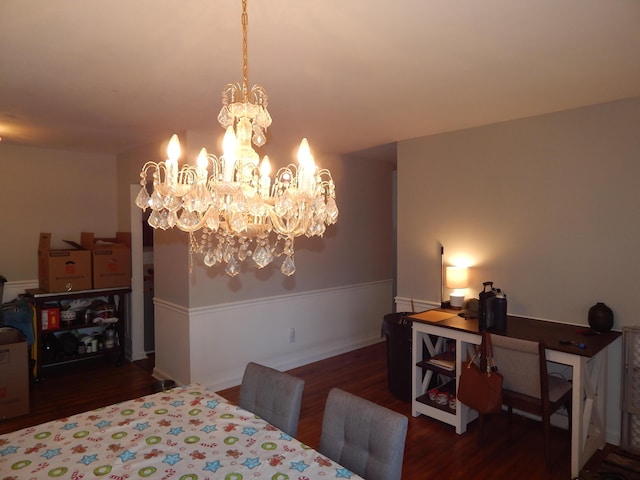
{"x":436,"y":329}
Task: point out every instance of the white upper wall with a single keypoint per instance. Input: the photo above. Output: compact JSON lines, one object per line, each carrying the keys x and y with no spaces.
{"x":546,"y":207}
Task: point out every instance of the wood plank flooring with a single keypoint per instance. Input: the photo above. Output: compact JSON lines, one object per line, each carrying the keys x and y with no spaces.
{"x":433,"y":449}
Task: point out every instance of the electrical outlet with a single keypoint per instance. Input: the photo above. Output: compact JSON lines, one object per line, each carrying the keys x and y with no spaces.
{"x":292,"y":335}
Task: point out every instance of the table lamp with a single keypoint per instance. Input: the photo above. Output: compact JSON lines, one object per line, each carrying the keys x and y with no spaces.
{"x":457,"y":278}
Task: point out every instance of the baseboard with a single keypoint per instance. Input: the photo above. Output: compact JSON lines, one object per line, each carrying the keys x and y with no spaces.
{"x":291,"y":363}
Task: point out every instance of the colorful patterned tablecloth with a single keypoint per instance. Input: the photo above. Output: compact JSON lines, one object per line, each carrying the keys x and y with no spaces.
{"x":188,"y":433}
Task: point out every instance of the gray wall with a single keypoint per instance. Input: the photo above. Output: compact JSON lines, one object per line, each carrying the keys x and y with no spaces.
{"x":545,"y":207}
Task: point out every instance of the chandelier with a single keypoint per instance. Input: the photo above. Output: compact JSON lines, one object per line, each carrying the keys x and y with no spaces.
{"x":230,"y":206}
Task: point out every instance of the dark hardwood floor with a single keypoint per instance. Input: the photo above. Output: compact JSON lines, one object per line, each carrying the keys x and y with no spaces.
{"x":433,"y":449}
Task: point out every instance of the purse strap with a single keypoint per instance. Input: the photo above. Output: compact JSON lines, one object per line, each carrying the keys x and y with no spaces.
{"x":488,"y":352}
{"x":484,"y":354}
{"x":475,"y":359}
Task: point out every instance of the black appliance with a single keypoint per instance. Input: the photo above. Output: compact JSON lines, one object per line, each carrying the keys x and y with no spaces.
{"x":492,"y":315}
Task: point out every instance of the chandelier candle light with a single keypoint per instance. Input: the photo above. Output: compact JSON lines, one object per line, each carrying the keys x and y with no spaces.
{"x":237,"y":211}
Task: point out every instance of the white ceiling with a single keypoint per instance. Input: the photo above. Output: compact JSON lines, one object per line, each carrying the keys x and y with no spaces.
{"x":106,"y":76}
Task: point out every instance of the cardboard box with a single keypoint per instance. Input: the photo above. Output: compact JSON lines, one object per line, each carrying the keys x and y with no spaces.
{"x":62,"y":270}
{"x":14,"y":373}
{"x":110,"y":258}
{"x":50,"y":317}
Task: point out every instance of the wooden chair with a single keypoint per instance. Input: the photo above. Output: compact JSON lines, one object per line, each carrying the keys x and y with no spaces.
{"x":527,"y":385}
{"x":364,"y":437}
{"x":272,"y":395}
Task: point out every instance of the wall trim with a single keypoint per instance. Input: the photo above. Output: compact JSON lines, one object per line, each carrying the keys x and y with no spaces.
{"x":406,"y":304}
{"x":170,"y":306}
{"x":13,"y":289}
{"x":279,"y":298}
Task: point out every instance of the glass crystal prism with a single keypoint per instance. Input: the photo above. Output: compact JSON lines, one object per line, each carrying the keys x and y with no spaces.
{"x":262,"y":256}
{"x":209,"y":259}
{"x":288,"y":267}
{"x":142,"y":200}
{"x":232,"y":268}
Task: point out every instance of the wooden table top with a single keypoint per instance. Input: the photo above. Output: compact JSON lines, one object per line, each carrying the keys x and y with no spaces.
{"x":548,"y":332}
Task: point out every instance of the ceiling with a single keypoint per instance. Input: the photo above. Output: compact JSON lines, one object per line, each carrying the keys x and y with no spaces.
{"x":106,"y":76}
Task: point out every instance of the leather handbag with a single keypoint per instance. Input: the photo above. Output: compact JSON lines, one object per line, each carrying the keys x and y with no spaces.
{"x":481,"y":388}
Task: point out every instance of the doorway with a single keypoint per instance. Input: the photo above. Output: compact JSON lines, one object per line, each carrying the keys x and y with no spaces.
{"x":140,"y":328}
{"x":147,"y":272}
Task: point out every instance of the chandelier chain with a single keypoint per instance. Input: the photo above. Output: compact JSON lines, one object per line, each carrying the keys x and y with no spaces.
{"x":245,"y":54}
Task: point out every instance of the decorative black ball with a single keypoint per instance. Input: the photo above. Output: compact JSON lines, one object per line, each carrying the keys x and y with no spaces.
{"x":600,"y":317}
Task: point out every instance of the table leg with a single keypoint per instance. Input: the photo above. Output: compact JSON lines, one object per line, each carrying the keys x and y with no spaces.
{"x":589,"y":403}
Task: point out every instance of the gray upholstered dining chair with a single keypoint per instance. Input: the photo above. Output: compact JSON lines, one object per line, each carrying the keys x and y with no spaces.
{"x":527,"y":386}
{"x":272,"y":395}
{"x":364,"y":437}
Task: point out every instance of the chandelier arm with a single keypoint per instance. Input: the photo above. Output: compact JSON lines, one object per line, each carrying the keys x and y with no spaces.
{"x":224,"y":225}
{"x":146,"y":168}
{"x":155,"y":168}
{"x":194,"y":228}
{"x":289,"y":230}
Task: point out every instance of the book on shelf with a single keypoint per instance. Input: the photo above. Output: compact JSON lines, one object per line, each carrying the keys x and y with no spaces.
{"x":445,"y":360}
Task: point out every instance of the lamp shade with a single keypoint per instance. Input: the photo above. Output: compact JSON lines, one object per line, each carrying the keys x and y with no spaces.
{"x":457,"y":277}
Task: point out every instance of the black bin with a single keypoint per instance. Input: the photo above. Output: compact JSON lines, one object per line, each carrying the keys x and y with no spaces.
{"x":396,"y":327}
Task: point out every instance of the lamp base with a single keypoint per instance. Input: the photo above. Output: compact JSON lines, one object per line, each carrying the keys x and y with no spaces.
{"x":456,"y":301}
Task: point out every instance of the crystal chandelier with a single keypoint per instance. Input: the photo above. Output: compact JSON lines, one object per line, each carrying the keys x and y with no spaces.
{"x":229,"y":205}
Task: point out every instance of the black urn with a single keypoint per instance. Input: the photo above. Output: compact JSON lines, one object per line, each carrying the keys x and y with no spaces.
{"x":600,"y":317}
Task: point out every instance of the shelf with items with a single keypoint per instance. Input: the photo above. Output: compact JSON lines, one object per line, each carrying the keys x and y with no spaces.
{"x":73,"y":344}
{"x":442,"y":397}
{"x":437,"y":358}
{"x":93,"y":326}
{"x":443,"y":363}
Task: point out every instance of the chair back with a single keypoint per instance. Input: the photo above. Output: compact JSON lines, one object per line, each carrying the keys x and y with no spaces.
{"x":272,"y":395}
{"x":526,"y":384}
{"x":364,"y":437}
{"x":519,"y":363}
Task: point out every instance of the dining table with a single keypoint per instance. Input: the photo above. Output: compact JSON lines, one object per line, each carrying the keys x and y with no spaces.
{"x":185,"y":433}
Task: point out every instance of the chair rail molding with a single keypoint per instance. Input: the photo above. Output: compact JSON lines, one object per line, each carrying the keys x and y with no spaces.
{"x":406,"y":304}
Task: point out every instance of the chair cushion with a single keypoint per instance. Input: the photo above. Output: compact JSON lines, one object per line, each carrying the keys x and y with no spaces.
{"x":557,"y":387}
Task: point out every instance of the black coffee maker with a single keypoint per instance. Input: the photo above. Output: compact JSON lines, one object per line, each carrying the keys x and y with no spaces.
{"x":492,"y":314}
